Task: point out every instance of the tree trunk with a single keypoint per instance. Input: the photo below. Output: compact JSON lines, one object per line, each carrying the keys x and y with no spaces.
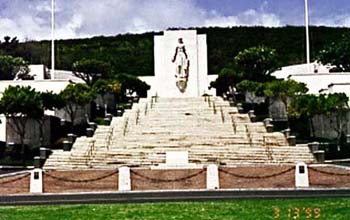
{"x":312,"y":127}
{"x":23,"y":150}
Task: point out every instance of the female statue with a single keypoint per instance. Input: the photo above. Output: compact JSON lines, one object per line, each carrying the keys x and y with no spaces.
{"x":181,"y":60}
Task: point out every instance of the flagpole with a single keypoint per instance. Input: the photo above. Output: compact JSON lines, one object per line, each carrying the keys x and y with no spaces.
{"x":307,"y":32}
{"x":52,"y":39}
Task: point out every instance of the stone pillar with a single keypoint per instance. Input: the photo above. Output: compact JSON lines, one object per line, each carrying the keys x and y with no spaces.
{"x":286,"y":132}
{"x":67,"y":145}
{"x":71,"y":138}
{"x":107,"y":121}
{"x":119,"y":113}
{"x":128,"y":105}
{"x":348,"y":138}
{"x":37,"y":162}
{"x":301,"y":175}
{"x":252,"y":115}
{"x":63,"y":122}
{"x":314,"y":146}
{"x":267,"y":121}
{"x":124,"y":180}
{"x":213,"y":177}
{"x":232,"y":103}
{"x":291,"y":140}
{"x":240,"y":108}
{"x":36,"y":181}
{"x":319,"y":155}
{"x":44,"y":153}
{"x":93,"y":125}
{"x":269,"y":128}
{"x":89,"y":132}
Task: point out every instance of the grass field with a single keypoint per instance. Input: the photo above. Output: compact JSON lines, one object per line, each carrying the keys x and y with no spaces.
{"x":328,"y":209}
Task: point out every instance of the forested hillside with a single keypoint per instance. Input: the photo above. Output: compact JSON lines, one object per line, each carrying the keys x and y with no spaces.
{"x":133,"y":53}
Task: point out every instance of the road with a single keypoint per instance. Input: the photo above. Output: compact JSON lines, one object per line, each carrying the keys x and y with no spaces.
{"x":168,"y":196}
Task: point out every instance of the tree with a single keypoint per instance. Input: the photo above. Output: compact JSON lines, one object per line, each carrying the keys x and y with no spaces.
{"x":103,"y":87}
{"x":226,"y":81}
{"x":19,"y":104}
{"x":306,"y":107}
{"x":9,"y":45}
{"x":336,"y":109}
{"x":256,"y":63}
{"x":333,"y":106}
{"x":284,"y":90}
{"x":90,"y":70}
{"x":10,"y":66}
{"x":337,"y":54}
{"x":131,"y":84}
{"x":75,"y":96}
{"x":50,"y":101}
{"x":255,"y":89}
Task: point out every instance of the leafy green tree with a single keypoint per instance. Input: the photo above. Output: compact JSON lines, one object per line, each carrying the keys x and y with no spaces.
{"x":333,"y":106}
{"x":103,"y":87}
{"x":19,"y":104}
{"x":9,"y":45}
{"x":226,"y":81}
{"x":337,"y":53}
{"x":255,"y":89}
{"x":131,"y":84}
{"x":306,"y":106}
{"x":256,"y":63}
{"x":50,"y":101}
{"x":284,"y":90}
{"x":336,"y":108}
{"x":90,"y":70}
{"x":10,"y":66}
{"x":75,"y":96}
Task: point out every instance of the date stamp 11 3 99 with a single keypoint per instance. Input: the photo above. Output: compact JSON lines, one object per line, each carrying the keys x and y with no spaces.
{"x":297,"y":213}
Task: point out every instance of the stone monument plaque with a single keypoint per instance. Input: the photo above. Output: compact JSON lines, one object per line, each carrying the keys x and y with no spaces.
{"x":181,"y":66}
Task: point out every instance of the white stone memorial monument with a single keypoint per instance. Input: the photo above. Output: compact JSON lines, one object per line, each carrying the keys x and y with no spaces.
{"x":181,"y":66}
{"x":124,"y":180}
{"x":36,"y":181}
{"x":212,"y":177}
{"x":301,"y":175}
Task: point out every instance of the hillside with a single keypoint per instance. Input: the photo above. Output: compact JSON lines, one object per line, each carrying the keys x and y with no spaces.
{"x":133,"y":53}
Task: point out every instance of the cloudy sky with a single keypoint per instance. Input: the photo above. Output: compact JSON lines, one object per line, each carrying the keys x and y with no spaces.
{"x":30,"y":19}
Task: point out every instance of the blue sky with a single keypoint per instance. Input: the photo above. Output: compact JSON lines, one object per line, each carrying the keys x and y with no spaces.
{"x":30,"y":19}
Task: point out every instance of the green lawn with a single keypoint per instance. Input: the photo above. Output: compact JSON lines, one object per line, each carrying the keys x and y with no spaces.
{"x":327,"y":209}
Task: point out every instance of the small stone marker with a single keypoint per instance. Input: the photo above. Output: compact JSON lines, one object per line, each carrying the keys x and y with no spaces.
{"x":71,"y":137}
{"x":89,"y":132}
{"x":212,"y":176}
{"x":267,"y":121}
{"x":124,"y":181}
{"x":314,"y":146}
{"x":286,"y":132}
{"x":67,"y":145}
{"x":37,"y":162}
{"x":301,"y":175}
{"x":36,"y":181}
{"x":269,"y":128}
{"x":44,"y":153}
{"x":291,"y":140}
{"x":319,"y":155}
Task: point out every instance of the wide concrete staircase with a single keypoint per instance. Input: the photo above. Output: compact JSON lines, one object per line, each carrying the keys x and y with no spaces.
{"x":207,"y":128}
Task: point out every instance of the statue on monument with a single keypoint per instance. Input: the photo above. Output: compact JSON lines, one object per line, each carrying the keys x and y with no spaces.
{"x":182,"y":65}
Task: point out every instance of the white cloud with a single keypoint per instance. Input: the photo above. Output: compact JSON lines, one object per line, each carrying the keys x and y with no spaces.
{"x":85,"y":18}
{"x":341,"y":20}
{"x":247,"y":18}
